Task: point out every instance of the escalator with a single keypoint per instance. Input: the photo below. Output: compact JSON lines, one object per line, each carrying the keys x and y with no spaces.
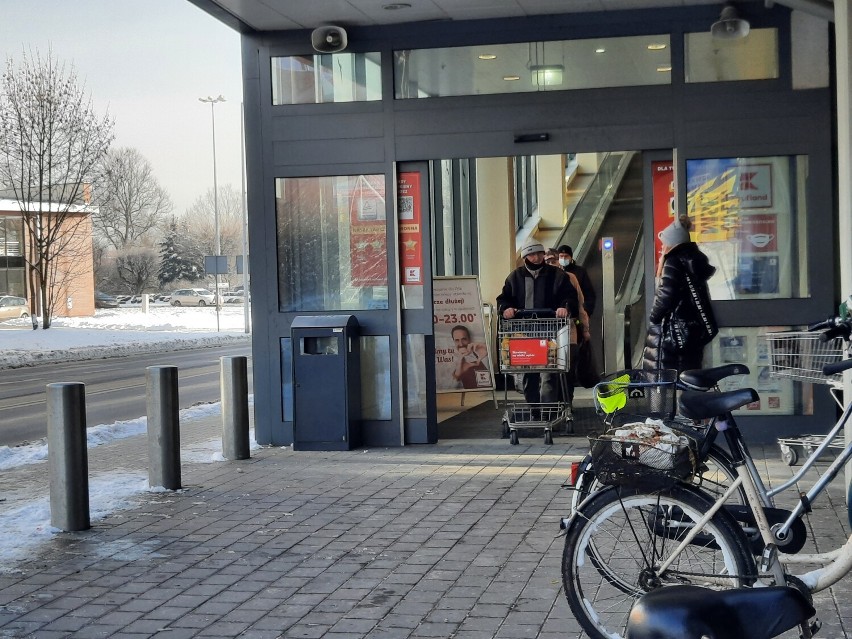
{"x":617,"y":197}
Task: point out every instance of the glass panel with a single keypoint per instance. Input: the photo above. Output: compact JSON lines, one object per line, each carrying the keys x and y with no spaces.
{"x":532,"y":66}
{"x":332,"y":246}
{"x":748,"y":345}
{"x":334,"y":77}
{"x":710,"y":59}
{"x":375,"y":378}
{"x":287,"y":379}
{"x":414,"y":402}
{"x":748,"y":216}
{"x":11,"y":230}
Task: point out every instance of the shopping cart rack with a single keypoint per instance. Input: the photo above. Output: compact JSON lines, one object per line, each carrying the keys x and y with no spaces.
{"x":536,"y":342}
{"x":800,"y":356}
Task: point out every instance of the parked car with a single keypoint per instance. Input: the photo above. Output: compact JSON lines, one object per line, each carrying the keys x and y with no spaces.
{"x":192,"y":297}
{"x":12,"y":307}
{"x":235,"y":297}
{"x":103,"y":300}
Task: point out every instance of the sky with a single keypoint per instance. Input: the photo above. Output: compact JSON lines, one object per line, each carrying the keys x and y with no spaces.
{"x":147,"y":63}
{"x":25,"y":524}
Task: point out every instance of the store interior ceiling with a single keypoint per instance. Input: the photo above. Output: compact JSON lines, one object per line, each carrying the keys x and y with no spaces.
{"x":274,"y":15}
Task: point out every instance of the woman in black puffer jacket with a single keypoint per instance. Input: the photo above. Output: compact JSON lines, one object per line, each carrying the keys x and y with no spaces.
{"x":681,"y":299}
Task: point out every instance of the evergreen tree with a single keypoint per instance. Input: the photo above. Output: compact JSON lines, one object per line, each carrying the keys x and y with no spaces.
{"x":178,"y":261}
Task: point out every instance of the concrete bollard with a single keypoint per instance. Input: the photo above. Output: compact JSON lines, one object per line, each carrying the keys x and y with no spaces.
{"x":163,"y":426}
{"x":235,"y":414}
{"x":68,"y":456}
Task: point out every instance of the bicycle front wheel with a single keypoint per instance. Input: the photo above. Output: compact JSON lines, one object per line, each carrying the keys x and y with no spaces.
{"x":618,"y":540}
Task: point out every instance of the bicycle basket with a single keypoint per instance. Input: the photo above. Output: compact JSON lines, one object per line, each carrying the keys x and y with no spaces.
{"x":639,"y":454}
{"x":800,"y":356}
{"x":633,"y":395}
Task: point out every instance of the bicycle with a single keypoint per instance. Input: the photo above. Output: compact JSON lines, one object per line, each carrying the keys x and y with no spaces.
{"x":716,"y":468}
{"x":623,"y":542}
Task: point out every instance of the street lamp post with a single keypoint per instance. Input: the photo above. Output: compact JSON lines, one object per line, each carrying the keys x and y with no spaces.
{"x":212,"y":102}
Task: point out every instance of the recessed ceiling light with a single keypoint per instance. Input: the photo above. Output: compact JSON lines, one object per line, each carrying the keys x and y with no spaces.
{"x":656,"y":46}
{"x":664,"y":69}
{"x":396,"y":5}
{"x":600,"y":50}
{"x":511,"y":78}
{"x":487,"y":56}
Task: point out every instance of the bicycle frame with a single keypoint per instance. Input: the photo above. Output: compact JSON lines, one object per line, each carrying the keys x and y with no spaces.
{"x":836,"y":563}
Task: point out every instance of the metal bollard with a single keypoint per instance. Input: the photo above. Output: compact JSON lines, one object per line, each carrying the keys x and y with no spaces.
{"x":163,"y":426}
{"x":68,"y":456}
{"x":235,"y":414}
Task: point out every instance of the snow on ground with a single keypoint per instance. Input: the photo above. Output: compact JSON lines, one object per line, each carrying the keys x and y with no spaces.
{"x":110,"y":332}
{"x":119,"y":331}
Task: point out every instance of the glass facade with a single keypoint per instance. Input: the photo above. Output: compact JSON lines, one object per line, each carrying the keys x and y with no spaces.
{"x":526,"y":67}
{"x":12,"y":273}
{"x":748,"y":345}
{"x":332,"y":243}
{"x":332,"y":77}
{"x":710,"y":59}
{"x":749,"y":218}
{"x":375,"y":377}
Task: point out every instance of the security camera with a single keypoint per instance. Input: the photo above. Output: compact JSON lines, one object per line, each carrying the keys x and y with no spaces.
{"x":329,"y":39}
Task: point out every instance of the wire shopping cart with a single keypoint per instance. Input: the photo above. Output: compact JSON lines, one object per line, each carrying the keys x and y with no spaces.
{"x":800,"y":356}
{"x":535,"y":342}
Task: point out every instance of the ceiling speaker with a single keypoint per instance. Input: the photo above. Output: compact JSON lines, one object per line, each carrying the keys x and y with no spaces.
{"x":329,"y":39}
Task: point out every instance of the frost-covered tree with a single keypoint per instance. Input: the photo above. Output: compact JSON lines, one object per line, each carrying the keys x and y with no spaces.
{"x":51,"y":144}
{"x":180,"y":258}
{"x":130,"y":201}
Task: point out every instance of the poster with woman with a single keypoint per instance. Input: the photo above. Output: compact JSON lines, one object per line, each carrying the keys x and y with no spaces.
{"x":462,"y":352}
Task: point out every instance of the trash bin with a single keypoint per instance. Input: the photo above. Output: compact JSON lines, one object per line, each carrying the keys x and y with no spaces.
{"x":326,"y":390}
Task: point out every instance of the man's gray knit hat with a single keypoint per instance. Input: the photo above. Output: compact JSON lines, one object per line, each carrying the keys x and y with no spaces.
{"x":531,"y":246}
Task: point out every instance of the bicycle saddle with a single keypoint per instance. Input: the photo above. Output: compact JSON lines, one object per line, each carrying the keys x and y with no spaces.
{"x":704,"y":379}
{"x":698,"y":405}
{"x":691,"y":612}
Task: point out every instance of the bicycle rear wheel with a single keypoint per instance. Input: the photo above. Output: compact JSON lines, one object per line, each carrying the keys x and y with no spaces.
{"x":616,"y":542}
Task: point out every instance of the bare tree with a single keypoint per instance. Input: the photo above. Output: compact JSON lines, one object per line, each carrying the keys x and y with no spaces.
{"x":201,"y":217}
{"x":51,"y":144}
{"x":137,"y":268}
{"x":131,"y":202}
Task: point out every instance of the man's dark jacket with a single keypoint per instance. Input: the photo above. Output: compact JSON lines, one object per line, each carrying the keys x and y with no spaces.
{"x":590,"y":298}
{"x":551,"y":289}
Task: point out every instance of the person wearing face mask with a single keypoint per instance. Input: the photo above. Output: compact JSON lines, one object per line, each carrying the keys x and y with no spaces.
{"x":538,"y":285}
{"x":566,"y":261}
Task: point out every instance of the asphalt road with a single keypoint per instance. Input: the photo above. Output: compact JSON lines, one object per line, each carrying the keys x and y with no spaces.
{"x":115,"y":387}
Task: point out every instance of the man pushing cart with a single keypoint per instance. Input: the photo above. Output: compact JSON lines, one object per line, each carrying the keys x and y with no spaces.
{"x":536,"y":286}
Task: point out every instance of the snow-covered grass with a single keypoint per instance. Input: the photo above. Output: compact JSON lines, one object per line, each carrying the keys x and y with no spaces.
{"x":119,"y":331}
{"x":26,"y":525}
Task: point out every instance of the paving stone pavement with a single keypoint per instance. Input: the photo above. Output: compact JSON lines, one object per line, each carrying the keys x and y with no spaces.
{"x":457,"y":539}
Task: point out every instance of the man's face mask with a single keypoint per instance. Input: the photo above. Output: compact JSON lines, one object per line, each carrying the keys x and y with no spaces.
{"x":564,"y":261}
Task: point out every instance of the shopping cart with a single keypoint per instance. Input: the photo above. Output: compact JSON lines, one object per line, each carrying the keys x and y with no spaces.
{"x":535,"y":341}
{"x":800,"y":356}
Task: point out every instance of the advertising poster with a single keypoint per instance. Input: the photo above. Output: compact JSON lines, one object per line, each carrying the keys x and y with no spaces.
{"x":367,"y":232}
{"x":462,"y":353}
{"x":410,"y":244}
{"x":662,"y":174}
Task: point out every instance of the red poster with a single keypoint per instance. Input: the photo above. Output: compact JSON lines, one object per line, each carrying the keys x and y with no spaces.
{"x":758,"y":233}
{"x":662,"y":178}
{"x":410,"y":244}
{"x":367,"y":246}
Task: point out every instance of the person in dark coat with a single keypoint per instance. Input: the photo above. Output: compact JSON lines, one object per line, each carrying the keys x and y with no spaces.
{"x":566,"y":261}
{"x":681,"y":264}
{"x":535,"y":284}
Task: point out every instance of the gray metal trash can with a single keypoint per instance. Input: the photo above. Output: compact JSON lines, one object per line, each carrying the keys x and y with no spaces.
{"x":326,"y":389}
